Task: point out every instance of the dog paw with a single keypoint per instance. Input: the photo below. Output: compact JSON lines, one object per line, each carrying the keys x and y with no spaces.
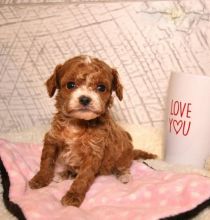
{"x":72,"y":199}
{"x":58,"y":178}
{"x":124,"y":178}
{"x":61,"y":176}
{"x":38,"y":181}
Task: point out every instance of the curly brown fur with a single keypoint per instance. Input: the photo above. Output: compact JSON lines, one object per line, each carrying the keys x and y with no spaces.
{"x":84,"y":138}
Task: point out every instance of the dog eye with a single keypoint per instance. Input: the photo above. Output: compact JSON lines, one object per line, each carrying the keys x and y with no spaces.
{"x":101,"y":88}
{"x":70,"y":85}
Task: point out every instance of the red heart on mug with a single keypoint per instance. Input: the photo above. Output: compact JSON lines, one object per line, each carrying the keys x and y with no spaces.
{"x":177,"y":125}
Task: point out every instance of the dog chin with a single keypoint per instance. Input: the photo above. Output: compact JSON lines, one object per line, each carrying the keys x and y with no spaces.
{"x":84,"y":115}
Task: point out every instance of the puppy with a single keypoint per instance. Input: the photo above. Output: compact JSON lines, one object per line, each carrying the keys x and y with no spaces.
{"x":84,"y":138}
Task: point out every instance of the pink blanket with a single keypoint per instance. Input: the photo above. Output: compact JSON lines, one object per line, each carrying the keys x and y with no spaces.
{"x":149,"y":195}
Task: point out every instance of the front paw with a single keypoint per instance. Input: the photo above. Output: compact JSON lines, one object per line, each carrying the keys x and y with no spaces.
{"x":39,"y":181}
{"x":124,"y":178}
{"x":73,"y":199}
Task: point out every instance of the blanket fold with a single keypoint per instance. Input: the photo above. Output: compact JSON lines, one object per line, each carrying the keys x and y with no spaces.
{"x":150,"y":195}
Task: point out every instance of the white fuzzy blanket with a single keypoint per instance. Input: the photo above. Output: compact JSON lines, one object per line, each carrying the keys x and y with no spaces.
{"x":147,"y":138}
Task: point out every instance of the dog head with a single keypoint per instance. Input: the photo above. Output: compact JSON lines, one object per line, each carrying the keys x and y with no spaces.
{"x":85,"y":87}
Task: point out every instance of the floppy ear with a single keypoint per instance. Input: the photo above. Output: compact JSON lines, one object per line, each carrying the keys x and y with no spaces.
{"x":53,"y":82}
{"x":116,"y":85}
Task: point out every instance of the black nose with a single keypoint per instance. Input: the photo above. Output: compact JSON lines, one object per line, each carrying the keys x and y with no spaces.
{"x":84,"y":100}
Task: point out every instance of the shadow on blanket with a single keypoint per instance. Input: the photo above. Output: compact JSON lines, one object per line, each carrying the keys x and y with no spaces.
{"x":169,"y":195}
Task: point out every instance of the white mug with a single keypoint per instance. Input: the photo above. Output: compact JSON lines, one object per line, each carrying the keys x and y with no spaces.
{"x":187,"y":136}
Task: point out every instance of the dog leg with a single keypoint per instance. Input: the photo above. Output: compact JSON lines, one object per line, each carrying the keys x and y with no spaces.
{"x":124,"y":176}
{"x":123,"y":166}
{"x":47,"y":166}
{"x":82,"y":183}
